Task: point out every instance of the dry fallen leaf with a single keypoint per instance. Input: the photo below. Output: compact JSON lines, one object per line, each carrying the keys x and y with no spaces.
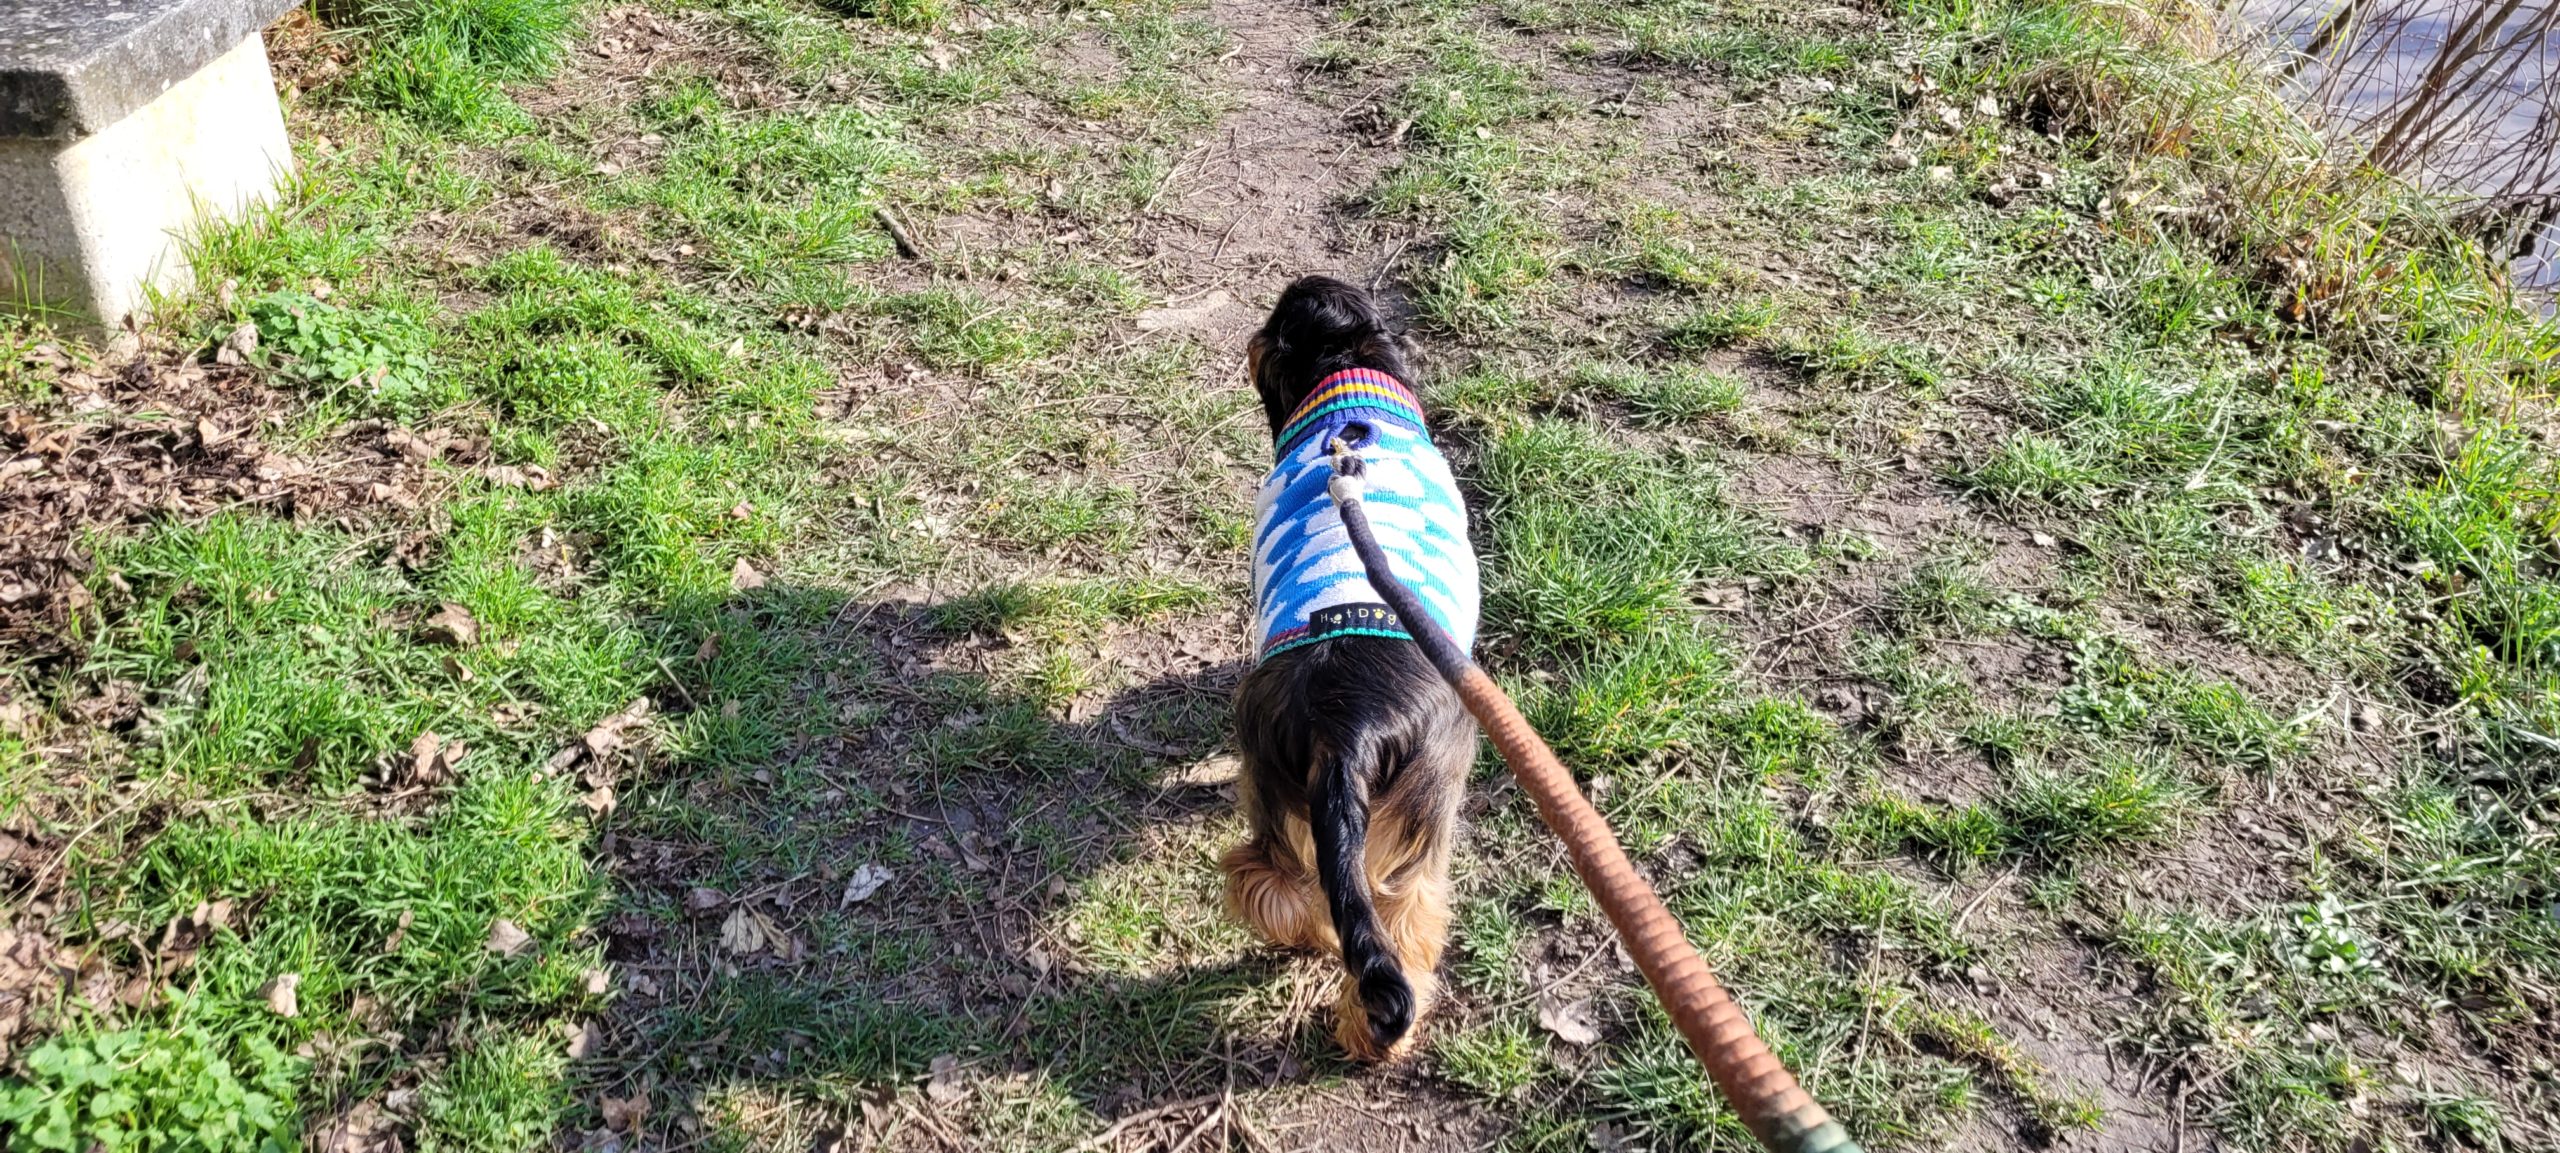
{"x":506,"y":939}
{"x":608,"y":734}
{"x":531,"y":476}
{"x":746,"y":931}
{"x":412,"y":445}
{"x":623,"y":1114}
{"x":1608,"y":1138}
{"x":452,"y":625}
{"x":864,"y":882}
{"x":587,"y":1042}
{"x":1195,"y":316}
{"x":138,"y":992}
{"x":188,"y":932}
{"x":1571,"y":1021}
{"x":433,"y":759}
{"x":702,"y":899}
{"x":944,"y":1086}
{"x":1724,"y":599}
{"x":598,"y":982}
{"x":744,"y":576}
{"x":365,"y":1127}
{"x":278,"y":993}
{"x":1204,"y":774}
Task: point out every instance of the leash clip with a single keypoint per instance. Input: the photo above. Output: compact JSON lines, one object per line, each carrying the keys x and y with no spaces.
{"x":1348,"y":469}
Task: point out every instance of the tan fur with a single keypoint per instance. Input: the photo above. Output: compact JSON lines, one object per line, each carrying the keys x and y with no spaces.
{"x":1272,"y":890}
{"x":1283,"y":906}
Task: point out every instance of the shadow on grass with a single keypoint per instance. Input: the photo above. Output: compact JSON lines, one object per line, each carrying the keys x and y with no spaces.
{"x":893,"y":832}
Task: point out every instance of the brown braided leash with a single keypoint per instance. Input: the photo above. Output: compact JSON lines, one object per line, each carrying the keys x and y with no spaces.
{"x":1770,"y":1103}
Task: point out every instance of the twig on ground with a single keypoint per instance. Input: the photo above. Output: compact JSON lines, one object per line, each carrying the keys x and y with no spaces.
{"x":1978,"y":898}
{"x":676,"y":683}
{"x":1120,"y":729}
{"x":1389,"y":265}
{"x":1212,"y":1117}
{"x":1252,"y":1136}
{"x":1867,"y":1005}
{"x":941,"y":1135}
{"x":1141,"y":1117}
{"x":898,"y":234}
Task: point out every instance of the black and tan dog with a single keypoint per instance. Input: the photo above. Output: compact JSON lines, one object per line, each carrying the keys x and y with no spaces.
{"x":1355,"y":753}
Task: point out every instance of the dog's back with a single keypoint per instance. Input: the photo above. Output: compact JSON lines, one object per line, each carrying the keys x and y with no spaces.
{"x":1355,"y":753}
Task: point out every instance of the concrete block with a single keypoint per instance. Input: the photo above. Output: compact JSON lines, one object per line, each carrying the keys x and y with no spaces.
{"x":124,"y":124}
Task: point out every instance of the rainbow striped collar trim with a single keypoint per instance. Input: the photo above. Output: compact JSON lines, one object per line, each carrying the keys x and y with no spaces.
{"x":1350,"y":388}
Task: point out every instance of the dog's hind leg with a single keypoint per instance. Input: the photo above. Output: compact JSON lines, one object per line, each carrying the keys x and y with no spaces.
{"x":1280,"y":903}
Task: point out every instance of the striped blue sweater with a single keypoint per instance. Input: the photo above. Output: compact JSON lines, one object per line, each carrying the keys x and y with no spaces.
{"x":1307,"y":581}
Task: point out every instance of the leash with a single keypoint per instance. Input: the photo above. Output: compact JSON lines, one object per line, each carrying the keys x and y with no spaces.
{"x":1770,"y":1103}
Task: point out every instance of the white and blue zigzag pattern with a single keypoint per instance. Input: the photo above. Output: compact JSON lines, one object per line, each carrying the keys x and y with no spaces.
{"x":1303,"y":561}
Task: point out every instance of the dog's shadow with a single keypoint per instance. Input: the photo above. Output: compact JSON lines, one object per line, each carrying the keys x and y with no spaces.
{"x":893,"y":854}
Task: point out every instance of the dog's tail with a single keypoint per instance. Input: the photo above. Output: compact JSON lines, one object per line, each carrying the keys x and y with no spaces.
{"x":1341,"y":809}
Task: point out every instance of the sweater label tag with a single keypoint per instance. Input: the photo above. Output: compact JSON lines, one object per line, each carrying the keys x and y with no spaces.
{"x":1352,"y":618}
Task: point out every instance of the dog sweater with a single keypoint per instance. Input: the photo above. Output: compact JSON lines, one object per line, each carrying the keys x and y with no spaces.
{"x":1308,"y":583}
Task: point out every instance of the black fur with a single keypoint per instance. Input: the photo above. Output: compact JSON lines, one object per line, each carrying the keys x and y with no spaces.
{"x":1356,"y":736}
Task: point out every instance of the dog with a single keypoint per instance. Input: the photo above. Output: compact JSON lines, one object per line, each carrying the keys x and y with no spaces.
{"x":1354,"y":752}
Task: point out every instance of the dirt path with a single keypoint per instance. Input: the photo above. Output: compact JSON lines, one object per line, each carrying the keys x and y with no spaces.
{"x":1261,"y":200}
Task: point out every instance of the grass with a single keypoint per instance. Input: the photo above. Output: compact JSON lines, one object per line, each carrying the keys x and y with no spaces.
{"x":2045,"y":592}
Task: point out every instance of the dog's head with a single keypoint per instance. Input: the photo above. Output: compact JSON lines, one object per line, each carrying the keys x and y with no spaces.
{"x":1320,"y":327}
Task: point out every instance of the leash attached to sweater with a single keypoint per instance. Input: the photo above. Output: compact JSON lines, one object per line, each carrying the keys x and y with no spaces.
{"x":1771,"y":1104}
